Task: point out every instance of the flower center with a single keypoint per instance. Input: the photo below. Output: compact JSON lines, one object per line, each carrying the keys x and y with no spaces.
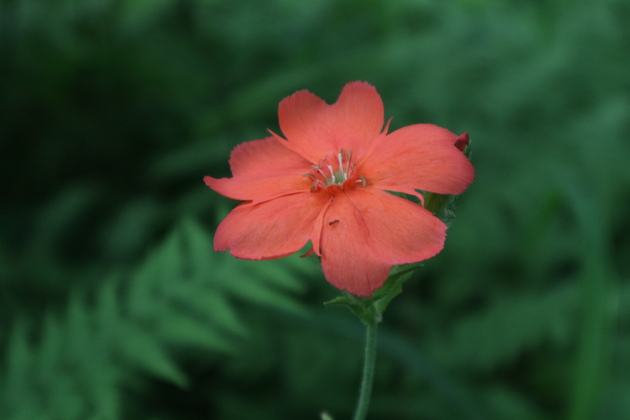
{"x":335,"y":172}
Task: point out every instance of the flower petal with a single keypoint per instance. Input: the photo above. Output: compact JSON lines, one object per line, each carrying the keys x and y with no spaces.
{"x":366,"y":231}
{"x":314,"y":128}
{"x":421,"y":156}
{"x":272,"y":229}
{"x":358,"y":114}
{"x":258,"y":190}
{"x":265,"y":157}
{"x":262,"y":169}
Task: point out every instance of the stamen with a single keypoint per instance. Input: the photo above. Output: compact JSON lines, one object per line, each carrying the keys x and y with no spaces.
{"x":335,"y":171}
{"x":317,"y":184}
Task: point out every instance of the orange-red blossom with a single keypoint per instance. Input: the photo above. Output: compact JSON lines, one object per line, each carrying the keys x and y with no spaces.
{"x":328,"y":183}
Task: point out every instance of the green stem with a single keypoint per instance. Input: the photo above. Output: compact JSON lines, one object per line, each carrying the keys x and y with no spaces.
{"x":368,"y":371}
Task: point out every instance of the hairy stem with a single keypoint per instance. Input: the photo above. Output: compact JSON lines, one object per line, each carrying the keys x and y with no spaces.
{"x":368,"y":371}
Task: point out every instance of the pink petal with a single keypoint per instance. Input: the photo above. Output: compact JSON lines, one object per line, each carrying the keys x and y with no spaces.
{"x":367,"y":231}
{"x":271,"y":229}
{"x":258,"y":189}
{"x":263,"y":169}
{"x":265,"y":157}
{"x":421,"y":156}
{"x":314,"y":128}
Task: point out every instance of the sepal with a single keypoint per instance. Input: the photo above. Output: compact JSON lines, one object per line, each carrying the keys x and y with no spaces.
{"x":372,"y":308}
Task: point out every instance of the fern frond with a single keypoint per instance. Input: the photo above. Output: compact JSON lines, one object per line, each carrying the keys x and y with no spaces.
{"x":182,"y":296}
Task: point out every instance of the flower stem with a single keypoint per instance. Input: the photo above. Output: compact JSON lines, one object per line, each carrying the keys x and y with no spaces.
{"x":368,"y":370}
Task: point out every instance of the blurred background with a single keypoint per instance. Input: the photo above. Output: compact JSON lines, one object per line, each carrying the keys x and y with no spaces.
{"x":114,"y":305}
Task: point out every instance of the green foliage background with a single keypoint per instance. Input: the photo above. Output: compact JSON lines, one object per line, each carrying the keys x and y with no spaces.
{"x":114,"y":306}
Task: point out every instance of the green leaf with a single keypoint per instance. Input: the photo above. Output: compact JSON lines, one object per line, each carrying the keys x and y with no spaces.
{"x":182,"y":329}
{"x":142,"y":349}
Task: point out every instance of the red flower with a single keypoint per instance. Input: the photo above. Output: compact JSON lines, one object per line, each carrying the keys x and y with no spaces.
{"x":328,"y":182}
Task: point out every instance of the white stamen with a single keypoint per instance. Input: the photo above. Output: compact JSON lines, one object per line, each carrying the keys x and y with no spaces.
{"x":338,"y":172}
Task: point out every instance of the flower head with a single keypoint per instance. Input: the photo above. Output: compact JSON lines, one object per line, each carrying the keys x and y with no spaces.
{"x":328,"y":181}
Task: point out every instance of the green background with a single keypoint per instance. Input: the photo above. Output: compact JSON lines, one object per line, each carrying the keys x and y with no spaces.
{"x":114,"y":306}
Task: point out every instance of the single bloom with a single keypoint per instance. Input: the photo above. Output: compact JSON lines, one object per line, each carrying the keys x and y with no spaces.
{"x":329,"y":181}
